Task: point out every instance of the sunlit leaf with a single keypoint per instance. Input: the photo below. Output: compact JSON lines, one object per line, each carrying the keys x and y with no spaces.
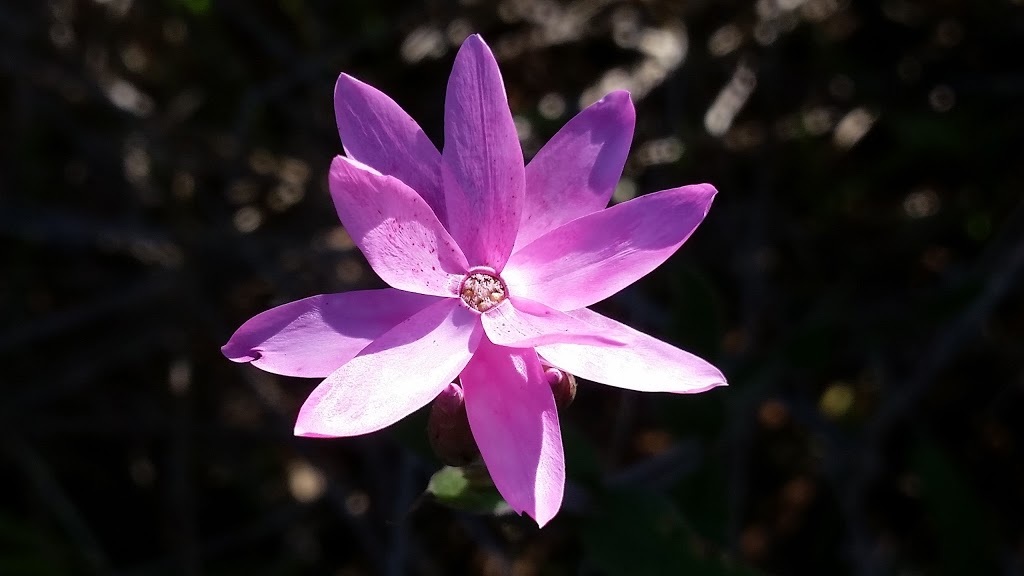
{"x":467,"y":488}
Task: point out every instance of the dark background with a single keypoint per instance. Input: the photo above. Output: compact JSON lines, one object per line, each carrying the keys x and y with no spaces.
{"x":163,"y":178}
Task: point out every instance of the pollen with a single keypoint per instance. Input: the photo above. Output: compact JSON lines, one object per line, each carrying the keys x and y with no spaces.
{"x":481,"y":292}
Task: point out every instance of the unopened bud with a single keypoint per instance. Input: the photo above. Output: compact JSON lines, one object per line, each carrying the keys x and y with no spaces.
{"x":563,"y":386}
{"x":448,"y":428}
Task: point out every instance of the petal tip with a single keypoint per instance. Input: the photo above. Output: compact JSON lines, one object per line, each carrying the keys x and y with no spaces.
{"x":239,"y":354}
{"x":348,"y":78}
{"x":344,"y":81}
{"x":306,"y":423}
{"x":348,"y":86}
{"x":474,"y":39}
{"x":474,"y":44}
{"x":542,"y":518}
{"x":305,"y":429}
{"x":619,"y":98}
{"x":699,"y":195}
{"x":542,"y":515}
{"x":237,"y":350}
{"x":708,"y":189}
{"x":718,"y":383}
{"x":301,"y":429}
{"x":339,"y":163}
{"x":709,"y":194}
{"x":619,"y":105}
{"x":304,"y":433}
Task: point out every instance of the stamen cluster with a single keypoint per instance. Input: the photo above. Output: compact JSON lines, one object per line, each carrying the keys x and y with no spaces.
{"x":481,"y":292}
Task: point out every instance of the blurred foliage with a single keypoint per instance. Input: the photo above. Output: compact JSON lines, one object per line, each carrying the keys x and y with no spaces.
{"x":163,"y":178}
{"x":642,"y":534}
{"x":467,"y":488}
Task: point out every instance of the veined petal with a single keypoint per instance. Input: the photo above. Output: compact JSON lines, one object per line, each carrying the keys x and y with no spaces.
{"x":522,"y":323}
{"x":595,"y":256}
{"x":644,"y":363}
{"x":377,"y":132}
{"x":312,"y":337}
{"x":398,"y":233}
{"x":575,"y":173}
{"x":482,"y":163}
{"x":514,"y":420}
{"x":395,"y":375}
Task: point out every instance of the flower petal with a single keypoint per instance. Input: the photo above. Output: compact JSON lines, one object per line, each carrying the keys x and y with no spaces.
{"x":395,"y":375}
{"x":521,"y":323}
{"x":593,"y":257}
{"x":482,"y":163}
{"x":398,"y":233}
{"x":377,"y":132}
{"x":514,"y":420}
{"x":312,"y":337}
{"x":644,"y":363}
{"x":575,"y":173}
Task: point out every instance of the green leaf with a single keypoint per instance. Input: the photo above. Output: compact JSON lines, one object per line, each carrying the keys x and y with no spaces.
{"x":197,"y":7}
{"x":467,"y":488}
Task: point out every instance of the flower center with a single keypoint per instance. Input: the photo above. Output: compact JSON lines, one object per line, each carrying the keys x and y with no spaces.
{"x":482,"y":291}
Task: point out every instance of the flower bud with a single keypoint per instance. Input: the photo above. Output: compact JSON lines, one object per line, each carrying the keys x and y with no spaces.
{"x":563,"y":386}
{"x":448,"y":428}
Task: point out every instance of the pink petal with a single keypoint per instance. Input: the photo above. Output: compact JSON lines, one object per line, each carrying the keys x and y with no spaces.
{"x":396,"y":230}
{"x":644,"y":363}
{"x":482,"y":163}
{"x":394,"y":376}
{"x":514,"y":420}
{"x":312,"y":337}
{"x":593,"y":257}
{"x":575,"y":173}
{"x":377,"y":132}
{"x":522,"y":323}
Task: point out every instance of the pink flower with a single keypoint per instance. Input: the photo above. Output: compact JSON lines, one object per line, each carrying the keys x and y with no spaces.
{"x":491,"y":267}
